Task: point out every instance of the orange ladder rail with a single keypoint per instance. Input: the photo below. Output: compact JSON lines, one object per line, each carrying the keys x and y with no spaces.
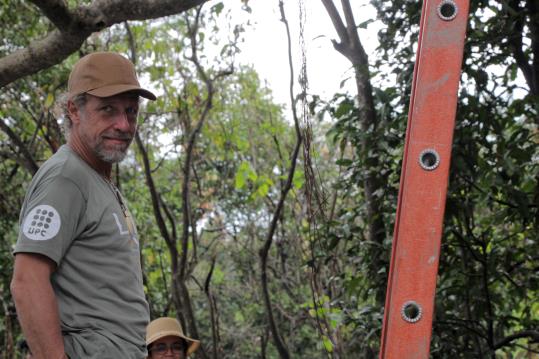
{"x":409,"y":307}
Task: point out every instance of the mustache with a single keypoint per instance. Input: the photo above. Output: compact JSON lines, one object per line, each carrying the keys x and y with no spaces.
{"x":118,"y":136}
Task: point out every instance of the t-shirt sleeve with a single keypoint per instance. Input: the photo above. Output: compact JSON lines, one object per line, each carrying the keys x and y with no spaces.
{"x":51,"y":218}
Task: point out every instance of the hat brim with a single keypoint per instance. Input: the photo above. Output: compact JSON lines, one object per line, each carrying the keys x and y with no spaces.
{"x":107,"y":91}
{"x":193,"y":343}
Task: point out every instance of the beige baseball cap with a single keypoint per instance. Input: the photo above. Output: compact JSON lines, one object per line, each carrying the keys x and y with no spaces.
{"x":104,"y":74}
{"x":164,"y":327}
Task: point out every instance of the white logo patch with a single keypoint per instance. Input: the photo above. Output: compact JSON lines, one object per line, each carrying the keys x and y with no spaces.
{"x":122,"y":231}
{"x":42,"y":223}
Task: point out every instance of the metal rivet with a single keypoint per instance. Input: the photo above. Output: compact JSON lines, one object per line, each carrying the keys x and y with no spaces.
{"x":411,"y":312}
{"x":429,"y":159}
{"x":447,"y":10}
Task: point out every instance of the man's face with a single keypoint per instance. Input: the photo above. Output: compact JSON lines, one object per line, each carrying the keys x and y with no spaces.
{"x":106,"y":126}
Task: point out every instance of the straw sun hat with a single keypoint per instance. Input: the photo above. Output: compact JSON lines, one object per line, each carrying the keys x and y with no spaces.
{"x":164,"y":327}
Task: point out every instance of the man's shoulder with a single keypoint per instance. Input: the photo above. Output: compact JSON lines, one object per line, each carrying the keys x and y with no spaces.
{"x":64,"y":167}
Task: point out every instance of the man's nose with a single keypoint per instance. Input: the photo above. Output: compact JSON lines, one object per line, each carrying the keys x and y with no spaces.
{"x":169,"y":352}
{"x":123,"y":122}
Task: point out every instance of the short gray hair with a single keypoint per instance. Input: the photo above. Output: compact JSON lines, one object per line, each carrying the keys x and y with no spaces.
{"x":61,"y":111}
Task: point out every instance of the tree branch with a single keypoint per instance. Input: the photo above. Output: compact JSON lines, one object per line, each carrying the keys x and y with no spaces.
{"x":337,"y":21}
{"x":40,"y":55}
{"x":57,"y":12}
{"x":193,"y":135}
{"x":27,"y":160}
{"x":155,"y":201}
{"x":533,"y":8}
{"x":515,"y":44}
{"x":532,"y":334}
{"x":213,"y":310}
{"x":264,"y":251}
{"x":353,"y":50}
{"x":74,"y":27}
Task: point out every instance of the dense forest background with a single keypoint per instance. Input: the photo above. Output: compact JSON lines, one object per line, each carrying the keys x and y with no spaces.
{"x":267,"y":229}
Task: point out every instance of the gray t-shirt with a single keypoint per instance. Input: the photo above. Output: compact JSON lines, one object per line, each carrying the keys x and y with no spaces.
{"x":76,"y":218}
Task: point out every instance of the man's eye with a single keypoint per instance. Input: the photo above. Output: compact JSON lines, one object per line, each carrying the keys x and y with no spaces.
{"x":107,"y":109}
{"x":177,"y":346}
{"x":161,"y":348}
{"x":131,"y":110}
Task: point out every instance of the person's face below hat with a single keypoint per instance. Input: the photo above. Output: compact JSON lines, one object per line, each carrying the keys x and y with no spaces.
{"x":106,"y":125}
{"x":168,"y":347}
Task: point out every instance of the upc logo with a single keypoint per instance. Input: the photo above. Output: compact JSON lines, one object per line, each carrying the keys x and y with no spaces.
{"x":41,"y":223}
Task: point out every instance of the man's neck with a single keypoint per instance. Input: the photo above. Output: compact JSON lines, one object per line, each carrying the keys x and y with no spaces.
{"x":100,"y":166}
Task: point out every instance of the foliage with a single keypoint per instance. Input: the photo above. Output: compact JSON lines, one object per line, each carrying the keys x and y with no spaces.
{"x":327,"y":279}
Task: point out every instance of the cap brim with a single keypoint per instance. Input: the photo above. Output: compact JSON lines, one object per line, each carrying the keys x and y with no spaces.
{"x":112,"y":90}
{"x":193,"y":343}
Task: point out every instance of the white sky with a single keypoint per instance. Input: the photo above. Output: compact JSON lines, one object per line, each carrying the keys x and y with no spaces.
{"x":265,"y":46}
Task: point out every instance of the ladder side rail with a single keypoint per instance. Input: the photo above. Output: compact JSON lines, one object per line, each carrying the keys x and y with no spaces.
{"x":407,"y":326}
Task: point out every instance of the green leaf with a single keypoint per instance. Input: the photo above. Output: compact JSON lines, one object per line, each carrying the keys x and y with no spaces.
{"x":217,"y":8}
{"x":238,"y":317}
{"x":49,"y":101}
{"x":344,"y":162}
{"x":218,"y":275}
{"x":328,"y":344}
{"x":364,"y":24}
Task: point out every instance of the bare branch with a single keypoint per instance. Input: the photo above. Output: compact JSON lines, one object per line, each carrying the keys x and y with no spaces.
{"x":350,"y":23}
{"x":533,"y":8}
{"x":40,"y":55}
{"x":76,"y":26}
{"x":337,"y":21}
{"x":57,"y":12}
{"x":264,"y":251}
{"x":193,"y":135}
{"x":532,"y":334}
{"x":516,"y":44}
{"x":155,"y":201}
{"x":27,"y":160}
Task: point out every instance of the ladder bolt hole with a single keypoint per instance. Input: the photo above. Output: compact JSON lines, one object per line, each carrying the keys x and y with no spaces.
{"x":447,"y":10}
{"x":429,"y":159}
{"x":411,"y":311}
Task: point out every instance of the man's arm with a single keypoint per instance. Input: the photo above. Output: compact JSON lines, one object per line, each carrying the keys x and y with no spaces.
{"x":36,"y":305}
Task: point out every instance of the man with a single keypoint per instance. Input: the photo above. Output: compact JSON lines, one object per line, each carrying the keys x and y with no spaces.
{"x":77,"y":282}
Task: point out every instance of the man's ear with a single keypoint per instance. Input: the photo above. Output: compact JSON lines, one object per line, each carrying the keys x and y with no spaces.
{"x":73,"y":111}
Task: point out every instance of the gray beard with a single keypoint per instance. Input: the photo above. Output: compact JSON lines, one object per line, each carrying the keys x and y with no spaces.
{"x":110,"y":156}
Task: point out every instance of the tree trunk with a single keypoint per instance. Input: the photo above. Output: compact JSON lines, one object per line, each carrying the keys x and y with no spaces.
{"x":350,"y":46}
